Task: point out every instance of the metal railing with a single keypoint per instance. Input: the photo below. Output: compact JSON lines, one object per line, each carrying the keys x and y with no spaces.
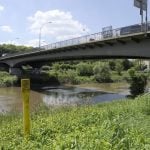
{"x":97,"y":37}
{"x":101,"y":36}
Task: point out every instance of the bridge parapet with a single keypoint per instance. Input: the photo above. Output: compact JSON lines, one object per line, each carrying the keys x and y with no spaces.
{"x":100,"y":36}
{"x":123,"y":32}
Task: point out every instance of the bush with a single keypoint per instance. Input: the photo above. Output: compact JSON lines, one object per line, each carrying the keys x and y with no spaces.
{"x":127,"y":64}
{"x":102,"y":73}
{"x":112,"y":64}
{"x":119,"y":67}
{"x":6,"y":79}
{"x":137,"y":82}
{"x":85,"y":69}
{"x":69,"y":76}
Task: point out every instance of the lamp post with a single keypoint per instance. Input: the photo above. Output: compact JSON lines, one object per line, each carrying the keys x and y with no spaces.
{"x":41,"y":31}
{"x":143,"y":6}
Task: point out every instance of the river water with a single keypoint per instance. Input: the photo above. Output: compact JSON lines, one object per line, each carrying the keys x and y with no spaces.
{"x":10,"y":98}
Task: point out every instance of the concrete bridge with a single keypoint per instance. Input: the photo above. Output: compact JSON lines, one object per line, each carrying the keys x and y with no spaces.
{"x":125,"y":42}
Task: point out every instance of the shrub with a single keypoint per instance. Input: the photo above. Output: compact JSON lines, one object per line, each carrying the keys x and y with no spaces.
{"x":102,"y":73}
{"x":112,"y":64}
{"x":69,"y":76}
{"x":119,"y":67}
{"x":137,"y":82}
{"x":127,"y":64}
{"x":6,"y":79}
{"x":85,"y":69}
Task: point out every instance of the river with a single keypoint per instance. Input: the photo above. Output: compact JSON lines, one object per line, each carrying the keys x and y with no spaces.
{"x":11,"y":101}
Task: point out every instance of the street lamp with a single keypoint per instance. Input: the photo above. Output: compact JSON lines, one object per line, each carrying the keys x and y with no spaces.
{"x":41,"y":31}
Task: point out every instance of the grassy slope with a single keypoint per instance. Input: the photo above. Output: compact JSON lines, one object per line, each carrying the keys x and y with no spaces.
{"x":116,"y":125}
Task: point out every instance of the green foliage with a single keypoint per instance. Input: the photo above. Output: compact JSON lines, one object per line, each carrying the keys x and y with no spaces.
{"x":139,"y":65}
{"x":10,"y":49}
{"x":85,"y":69}
{"x":119,"y":67}
{"x":69,"y":76}
{"x":138,"y":82}
{"x":112,"y":64}
{"x":127,"y":64}
{"x":102,"y":72}
{"x":6,"y":79}
{"x":121,"y":125}
{"x":62,"y":66}
{"x":131,"y":72}
{"x":56,"y":67}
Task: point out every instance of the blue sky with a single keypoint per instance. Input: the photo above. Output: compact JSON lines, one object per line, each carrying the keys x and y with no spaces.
{"x":20,"y":20}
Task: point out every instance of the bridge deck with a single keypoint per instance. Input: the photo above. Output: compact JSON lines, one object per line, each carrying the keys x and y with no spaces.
{"x":89,"y":40}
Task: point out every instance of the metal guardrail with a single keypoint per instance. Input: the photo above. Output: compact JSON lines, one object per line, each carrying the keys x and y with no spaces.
{"x":116,"y":33}
{"x":101,"y":36}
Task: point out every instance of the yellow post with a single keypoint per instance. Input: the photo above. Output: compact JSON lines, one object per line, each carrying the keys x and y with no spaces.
{"x":25,"y":89}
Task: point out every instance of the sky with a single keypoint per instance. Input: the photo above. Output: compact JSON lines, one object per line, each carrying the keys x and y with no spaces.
{"x":21,"y":20}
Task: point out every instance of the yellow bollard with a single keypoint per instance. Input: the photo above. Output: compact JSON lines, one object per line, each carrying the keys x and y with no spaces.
{"x":25,"y":89}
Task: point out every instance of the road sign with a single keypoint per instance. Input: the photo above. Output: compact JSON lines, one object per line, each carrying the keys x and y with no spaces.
{"x":107,"y":32}
{"x":142,"y":4}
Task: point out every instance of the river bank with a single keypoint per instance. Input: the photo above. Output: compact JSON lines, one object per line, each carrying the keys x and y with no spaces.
{"x":115,"y":125}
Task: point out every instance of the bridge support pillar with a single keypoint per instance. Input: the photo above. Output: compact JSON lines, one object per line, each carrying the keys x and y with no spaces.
{"x":15,"y":71}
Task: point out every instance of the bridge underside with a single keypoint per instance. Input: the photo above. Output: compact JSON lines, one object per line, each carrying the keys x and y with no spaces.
{"x":126,"y":47}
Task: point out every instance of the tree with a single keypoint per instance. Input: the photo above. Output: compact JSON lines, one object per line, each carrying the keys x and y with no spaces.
{"x":119,"y":68}
{"x":102,"y":73}
{"x":10,"y":49}
{"x":137,"y":82}
{"x":85,"y":69}
{"x":126,"y":64}
{"x":112,"y":64}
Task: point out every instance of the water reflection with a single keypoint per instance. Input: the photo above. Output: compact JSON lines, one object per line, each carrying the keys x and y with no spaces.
{"x":10,"y":98}
{"x":77,"y":96}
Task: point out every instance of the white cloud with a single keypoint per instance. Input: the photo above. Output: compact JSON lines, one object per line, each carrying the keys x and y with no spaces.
{"x":6,"y":28}
{"x":62,"y":25}
{"x":10,"y":42}
{"x":33,"y":43}
{"x":1,"y":8}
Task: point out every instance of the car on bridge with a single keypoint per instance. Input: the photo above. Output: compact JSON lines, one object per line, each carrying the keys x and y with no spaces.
{"x":133,"y":29}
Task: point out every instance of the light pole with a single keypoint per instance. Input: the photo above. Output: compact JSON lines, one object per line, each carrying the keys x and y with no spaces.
{"x":41,"y":31}
{"x":143,"y":6}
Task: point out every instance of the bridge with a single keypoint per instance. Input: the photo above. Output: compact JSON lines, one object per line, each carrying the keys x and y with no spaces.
{"x":126,"y":42}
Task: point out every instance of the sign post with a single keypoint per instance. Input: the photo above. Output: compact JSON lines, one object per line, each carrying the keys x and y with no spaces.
{"x":25,"y":89}
{"x":143,"y":6}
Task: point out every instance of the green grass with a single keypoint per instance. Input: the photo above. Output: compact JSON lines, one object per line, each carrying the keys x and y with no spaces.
{"x":121,"y":125}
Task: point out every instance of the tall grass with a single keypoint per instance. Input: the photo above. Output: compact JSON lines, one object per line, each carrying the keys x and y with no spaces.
{"x":121,"y":125}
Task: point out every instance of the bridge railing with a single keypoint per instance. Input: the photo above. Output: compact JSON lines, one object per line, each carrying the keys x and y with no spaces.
{"x":100,"y":36}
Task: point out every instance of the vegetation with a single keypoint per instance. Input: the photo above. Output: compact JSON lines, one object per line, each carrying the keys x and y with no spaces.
{"x":10,"y":49}
{"x":6,"y":79}
{"x":119,"y":68}
{"x":138,"y":82}
{"x":85,"y":69}
{"x":102,"y":73}
{"x":120,"y":125}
